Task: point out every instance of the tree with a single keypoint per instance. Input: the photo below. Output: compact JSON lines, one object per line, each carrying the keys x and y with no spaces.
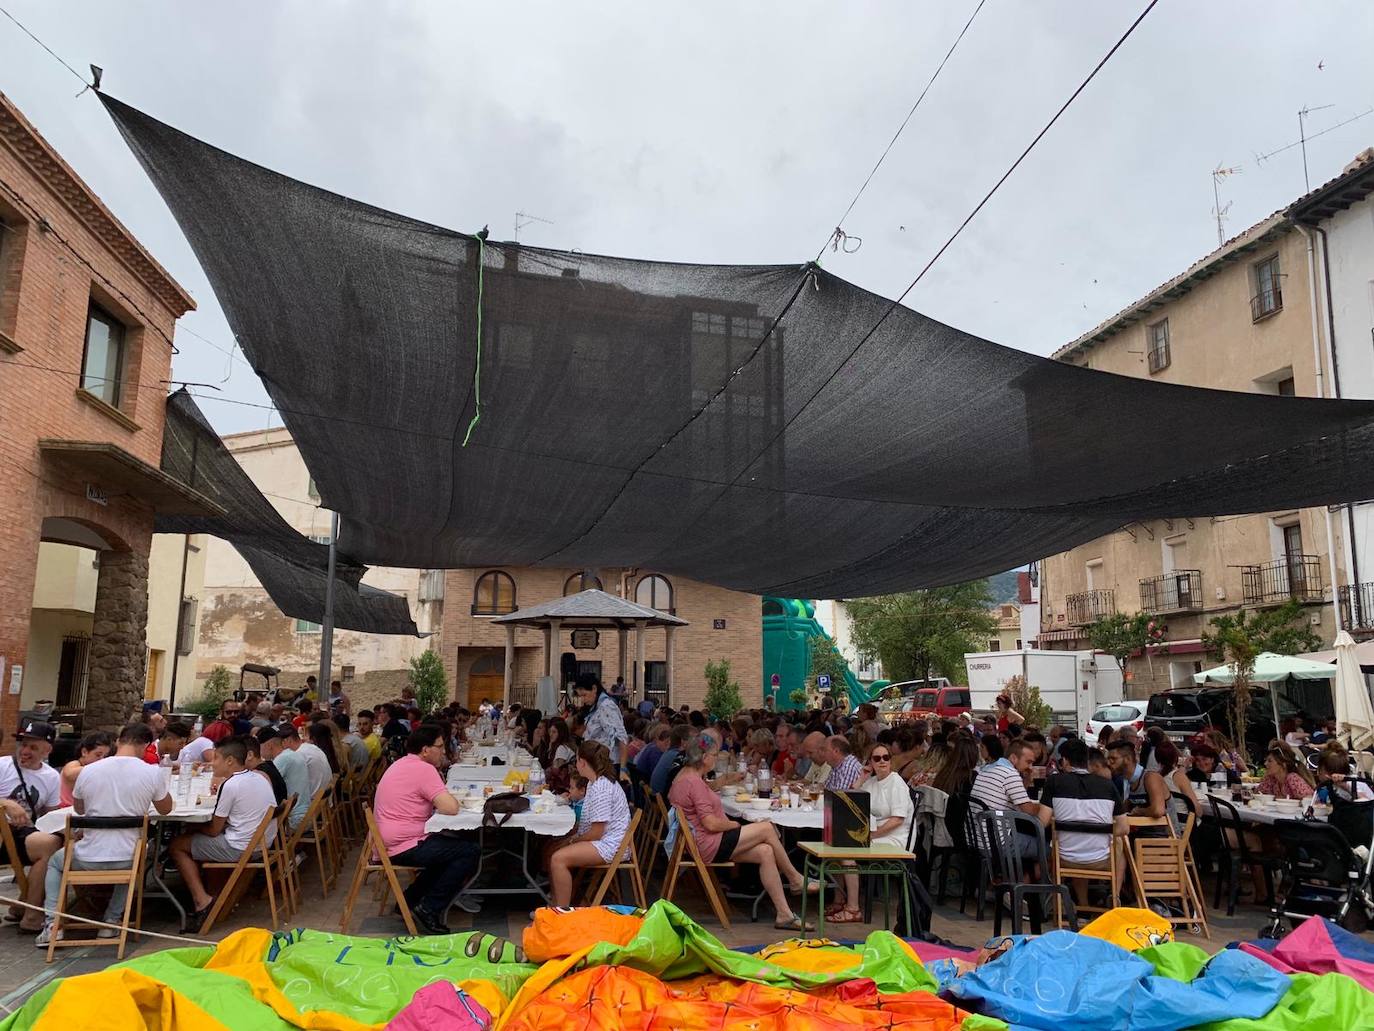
{"x":1121,"y":636}
{"x":1241,"y":638}
{"x":827,"y":660}
{"x":921,"y":634}
{"x":430,"y":682}
{"x":722,"y":699}
{"x":219,"y":685}
{"x":797,"y":698}
{"x":1025,"y":699}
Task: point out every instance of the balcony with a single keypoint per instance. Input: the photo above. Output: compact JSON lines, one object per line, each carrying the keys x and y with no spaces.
{"x":1159,"y":357}
{"x":1089,"y":606}
{"x":1179,"y":591}
{"x":1295,"y":578}
{"x":1357,"y":607}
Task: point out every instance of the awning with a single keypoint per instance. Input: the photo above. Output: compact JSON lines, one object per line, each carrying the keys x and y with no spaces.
{"x":1270,"y":669}
{"x":109,"y":468}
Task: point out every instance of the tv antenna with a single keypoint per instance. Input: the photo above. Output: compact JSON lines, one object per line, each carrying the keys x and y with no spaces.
{"x":522,"y":220}
{"x":1302,"y":141}
{"x":1218,"y":174}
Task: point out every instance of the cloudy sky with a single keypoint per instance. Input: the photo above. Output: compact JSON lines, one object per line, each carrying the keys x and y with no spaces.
{"x":726,"y":132}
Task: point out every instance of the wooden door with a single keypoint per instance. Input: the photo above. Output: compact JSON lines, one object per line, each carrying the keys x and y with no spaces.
{"x":484,"y":685}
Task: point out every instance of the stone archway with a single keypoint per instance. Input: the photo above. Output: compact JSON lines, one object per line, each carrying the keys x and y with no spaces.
{"x":116,"y":670}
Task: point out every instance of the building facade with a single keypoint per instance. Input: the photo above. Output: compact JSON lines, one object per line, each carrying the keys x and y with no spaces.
{"x":1340,"y":217}
{"x":1242,"y":318}
{"x":721,"y":624}
{"x":240,"y":623}
{"x":1007,"y":636}
{"x":839,"y":624}
{"x":86,"y":324}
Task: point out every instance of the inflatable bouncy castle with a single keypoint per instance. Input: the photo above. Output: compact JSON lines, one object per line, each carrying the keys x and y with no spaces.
{"x":788,"y":626}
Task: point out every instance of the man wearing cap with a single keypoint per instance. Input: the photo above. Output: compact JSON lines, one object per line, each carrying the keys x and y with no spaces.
{"x":29,"y":787}
{"x":291,"y":767}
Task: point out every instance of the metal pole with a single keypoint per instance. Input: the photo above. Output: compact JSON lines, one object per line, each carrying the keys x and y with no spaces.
{"x":327,"y":629}
{"x":181,"y":592}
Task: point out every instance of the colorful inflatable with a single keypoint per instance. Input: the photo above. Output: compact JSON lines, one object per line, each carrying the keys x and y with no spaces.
{"x":788,"y":626}
{"x":612,"y":968}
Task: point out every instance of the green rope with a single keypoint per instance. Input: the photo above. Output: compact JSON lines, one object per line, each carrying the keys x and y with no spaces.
{"x":477,"y":369}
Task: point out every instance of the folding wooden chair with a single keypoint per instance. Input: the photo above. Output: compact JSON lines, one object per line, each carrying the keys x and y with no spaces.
{"x":313,"y":830}
{"x":259,"y":855}
{"x":373,"y":859}
{"x":131,"y":878}
{"x":1160,"y":868}
{"x":624,"y":861}
{"x":686,"y":845}
{"x":286,"y":860}
{"x":1067,"y":871}
{"x":653,"y":827}
{"x":21,"y":877}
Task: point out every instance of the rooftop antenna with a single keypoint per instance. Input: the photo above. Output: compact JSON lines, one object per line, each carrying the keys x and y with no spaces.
{"x":1302,"y":140}
{"x":1218,"y":174}
{"x":522,"y":220}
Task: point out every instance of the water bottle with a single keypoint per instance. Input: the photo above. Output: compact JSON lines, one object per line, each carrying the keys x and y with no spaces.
{"x":184,"y":781}
{"x":765,"y":784}
{"x":536,"y":778}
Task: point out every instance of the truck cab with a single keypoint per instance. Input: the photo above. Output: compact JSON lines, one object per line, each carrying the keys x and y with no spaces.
{"x":920,"y":699}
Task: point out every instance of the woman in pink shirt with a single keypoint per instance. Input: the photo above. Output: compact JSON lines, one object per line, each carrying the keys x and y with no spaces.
{"x":720,"y":839}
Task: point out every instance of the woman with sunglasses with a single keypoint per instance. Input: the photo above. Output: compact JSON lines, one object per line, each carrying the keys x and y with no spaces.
{"x":890,"y":812}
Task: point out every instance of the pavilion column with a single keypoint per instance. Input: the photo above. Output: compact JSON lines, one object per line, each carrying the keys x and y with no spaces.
{"x":624,"y":637}
{"x":668,"y":640}
{"x":509,"y":667}
{"x":548,"y":649}
{"x":639,"y":656}
{"x":552,"y":650}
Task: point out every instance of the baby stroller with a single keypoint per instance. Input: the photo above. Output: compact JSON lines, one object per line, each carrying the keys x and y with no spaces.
{"x":1322,"y":876}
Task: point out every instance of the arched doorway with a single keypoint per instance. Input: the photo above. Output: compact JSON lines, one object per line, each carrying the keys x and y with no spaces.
{"x":486,"y":679}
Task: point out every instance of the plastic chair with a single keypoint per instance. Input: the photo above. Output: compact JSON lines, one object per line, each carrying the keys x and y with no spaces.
{"x":373,"y":859}
{"x":1002,"y":830}
{"x":1236,"y":853}
{"x":686,"y":846}
{"x":130,"y":877}
{"x":977,"y":849}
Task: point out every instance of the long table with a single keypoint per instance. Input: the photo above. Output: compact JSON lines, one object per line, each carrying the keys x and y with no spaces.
{"x":1262,"y":815}
{"x":797,"y":819}
{"x":553,"y":823}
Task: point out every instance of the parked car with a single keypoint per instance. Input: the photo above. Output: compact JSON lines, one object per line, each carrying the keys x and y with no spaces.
{"x":1185,"y":711}
{"x":1116,"y":716}
{"x":919,"y":699}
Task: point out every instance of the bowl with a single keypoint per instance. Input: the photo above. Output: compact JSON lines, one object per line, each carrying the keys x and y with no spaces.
{"x":759,"y":803}
{"x":1286,"y":805}
{"x":743,"y":797}
{"x":473,"y":803}
{"x":1264,"y":799}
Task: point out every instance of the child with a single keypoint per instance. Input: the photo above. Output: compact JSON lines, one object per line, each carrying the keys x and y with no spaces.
{"x":577,"y":791}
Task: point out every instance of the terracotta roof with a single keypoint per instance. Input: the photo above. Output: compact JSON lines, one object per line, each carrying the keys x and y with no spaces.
{"x":590,"y":608}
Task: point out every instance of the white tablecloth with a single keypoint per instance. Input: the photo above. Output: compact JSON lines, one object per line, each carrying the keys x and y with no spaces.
{"x":462,"y":776}
{"x":800,"y":819}
{"x":56,"y":821}
{"x":556,"y":822}
{"x":1256,"y":814}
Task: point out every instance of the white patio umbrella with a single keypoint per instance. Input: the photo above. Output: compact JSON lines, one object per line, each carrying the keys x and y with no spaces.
{"x":1354,"y":713}
{"x":1273,"y":670}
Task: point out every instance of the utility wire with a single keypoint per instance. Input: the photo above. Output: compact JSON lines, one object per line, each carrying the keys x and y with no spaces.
{"x":892,"y":142}
{"x":45,"y":46}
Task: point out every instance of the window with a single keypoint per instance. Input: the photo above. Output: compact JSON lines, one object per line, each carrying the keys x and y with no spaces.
{"x":573,"y":584}
{"x":304,"y":626}
{"x":493,"y":594}
{"x":1158,"y":338}
{"x":1268,"y":296}
{"x":655,"y":592}
{"x":957,"y":697}
{"x":320,"y":539}
{"x":103,"y":361}
{"x":1287,"y":388}
{"x":994,"y":645}
{"x":311,"y":491}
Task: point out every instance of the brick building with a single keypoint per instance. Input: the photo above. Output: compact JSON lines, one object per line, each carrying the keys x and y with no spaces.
{"x":721,"y":624}
{"x":86,"y":323}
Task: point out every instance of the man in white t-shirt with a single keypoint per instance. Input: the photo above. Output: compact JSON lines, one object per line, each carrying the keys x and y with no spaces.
{"x":29,"y":787}
{"x":194,"y":752}
{"x":244,"y":799}
{"x":118,"y":785}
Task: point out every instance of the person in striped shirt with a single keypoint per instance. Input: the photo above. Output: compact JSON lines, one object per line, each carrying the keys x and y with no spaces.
{"x":846,"y":772}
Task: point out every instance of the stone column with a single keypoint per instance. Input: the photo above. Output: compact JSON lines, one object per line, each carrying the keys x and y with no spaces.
{"x":119,"y":640}
{"x":670,"y":656}
{"x":508,"y":667}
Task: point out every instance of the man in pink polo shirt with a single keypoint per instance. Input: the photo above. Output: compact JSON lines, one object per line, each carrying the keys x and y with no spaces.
{"x":409,"y":793}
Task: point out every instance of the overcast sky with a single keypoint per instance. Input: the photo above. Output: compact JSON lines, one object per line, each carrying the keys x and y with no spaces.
{"x":728,"y":132}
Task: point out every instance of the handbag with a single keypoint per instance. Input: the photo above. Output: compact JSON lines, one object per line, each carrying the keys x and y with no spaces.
{"x":504,"y":804}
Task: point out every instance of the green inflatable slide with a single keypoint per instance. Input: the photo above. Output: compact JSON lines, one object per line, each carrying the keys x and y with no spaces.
{"x":788,"y":626}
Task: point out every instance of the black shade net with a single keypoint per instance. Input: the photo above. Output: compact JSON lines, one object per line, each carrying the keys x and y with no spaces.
{"x":292,"y":568}
{"x":710,"y":421}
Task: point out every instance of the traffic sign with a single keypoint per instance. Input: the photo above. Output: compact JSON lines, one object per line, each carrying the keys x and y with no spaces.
{"x":777,"y":680}
{"x":823,"y":681}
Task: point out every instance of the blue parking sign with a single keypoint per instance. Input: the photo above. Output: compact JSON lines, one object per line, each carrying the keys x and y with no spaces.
{"x":823,"y":681}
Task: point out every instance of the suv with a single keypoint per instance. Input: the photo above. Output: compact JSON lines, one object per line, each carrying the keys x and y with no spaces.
{"x":921,"y":698}
{"x":1184,"y":712}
